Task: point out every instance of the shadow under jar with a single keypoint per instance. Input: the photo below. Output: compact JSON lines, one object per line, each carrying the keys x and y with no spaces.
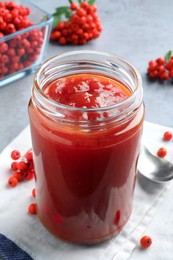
{"x":86,"y":117}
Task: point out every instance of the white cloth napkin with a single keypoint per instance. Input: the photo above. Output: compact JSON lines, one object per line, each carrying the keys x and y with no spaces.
{"x":30,"y":235}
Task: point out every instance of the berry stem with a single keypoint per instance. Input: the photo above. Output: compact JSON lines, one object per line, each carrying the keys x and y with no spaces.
{"x":70,"y":1}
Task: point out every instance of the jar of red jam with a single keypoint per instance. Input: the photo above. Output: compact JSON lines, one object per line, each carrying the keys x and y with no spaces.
{"x":86,"y":117}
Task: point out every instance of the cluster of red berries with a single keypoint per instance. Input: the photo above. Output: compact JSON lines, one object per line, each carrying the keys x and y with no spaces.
{"x":83,"y":25}
{"x":13,"y":17}
{"x":161,"y":68}
{"x":21,"y":51}
{"x":22,"y":168}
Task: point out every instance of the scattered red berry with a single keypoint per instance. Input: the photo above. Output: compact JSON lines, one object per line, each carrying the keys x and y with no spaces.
{"x":146,"y":241}
{"x":29,"y":155}
{"x":167,"y":136}
{"x":32,"y":209}
{"x":15,"y":154}
{"x":14,"y":166}
{"x":22,"y":166}
{"x":18,"y":175}
{"x":83,"y":24}
{"x":12,"y":182}
{"x":34,"y":193}
{"x":29,"y":175}
{"x":162,"y":67}
{"x":162,"y":152}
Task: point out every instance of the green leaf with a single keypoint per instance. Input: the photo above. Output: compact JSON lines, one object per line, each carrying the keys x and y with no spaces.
{"x":60,"y":11}
{"x":79,"y":1}
{"x":68,"y":13}
{"x":56,"y":20}
{"x":168,"y":56}
{"x":91,"y":2}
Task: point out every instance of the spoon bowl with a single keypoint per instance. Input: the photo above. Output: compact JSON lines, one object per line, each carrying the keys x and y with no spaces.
{"x":154,"y":167}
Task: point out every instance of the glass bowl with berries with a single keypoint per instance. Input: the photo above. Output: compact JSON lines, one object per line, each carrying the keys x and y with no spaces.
{"x":24,"y":33}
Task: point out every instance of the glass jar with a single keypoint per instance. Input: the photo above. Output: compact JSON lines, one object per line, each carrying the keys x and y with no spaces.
{"x":85,"y":162}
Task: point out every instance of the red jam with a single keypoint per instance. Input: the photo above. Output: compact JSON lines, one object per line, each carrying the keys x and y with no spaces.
{"x":87,"y":91}
{"x":85,"y":178}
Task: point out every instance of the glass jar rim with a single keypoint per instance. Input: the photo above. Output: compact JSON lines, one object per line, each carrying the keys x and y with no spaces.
{"x":42,"y":95}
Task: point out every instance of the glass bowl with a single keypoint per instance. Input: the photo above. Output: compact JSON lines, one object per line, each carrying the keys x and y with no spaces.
{"x":22,"y":52}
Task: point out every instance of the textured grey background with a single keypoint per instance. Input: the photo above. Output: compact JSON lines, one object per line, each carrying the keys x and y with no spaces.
{"x":137,"y":30}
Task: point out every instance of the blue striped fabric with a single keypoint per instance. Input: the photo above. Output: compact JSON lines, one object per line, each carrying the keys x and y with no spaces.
{"x":10,"y":251}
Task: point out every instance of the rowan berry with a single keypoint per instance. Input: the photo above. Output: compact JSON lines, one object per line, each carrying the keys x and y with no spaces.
{"x":15,"y":13}
{"x":62,"y":40}
{"x":73,"y":6}
{"x":14,"y":166}
{"x":11,"y":52}
{"x":83,"y":19}
{"x":7,"y":17}
{"x":16,"y":21}
{"x":22,"y":166}
{"x":2,"y":4}
{"x":34,"y":193}
{"x":32,"y":209}
{"x":93,"y":9}
{"x":79,"y":31}
{"x":81,"y":12}
{"x":60,"y":25}
{"x":15,"y":154}
{"x":3,"y":26}
{"x":171,"y":73}
{"x":15,"y":59}
{"x":4,"y":69}
{"x":3,"y":11}
{"x":18,"y":175}
{"x":161,"y":69}
{"x":4,"y":59}
{"x":21,"y":51}
{"x":162,"y":152}
{"x":167,"y":136}
{"x":12,"y":182}
{"x":29,"y":156}
{"x":29,"y":175}
{"x":146,"y":241}
{"x":84,"y":5}
{"x":160,"y":61}
{"x":164,"y":76}
{"x":55,"y":35}
{"x":75,"y":18}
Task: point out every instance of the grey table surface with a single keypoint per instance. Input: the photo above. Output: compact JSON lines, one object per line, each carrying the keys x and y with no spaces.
{"x":137,"y":30}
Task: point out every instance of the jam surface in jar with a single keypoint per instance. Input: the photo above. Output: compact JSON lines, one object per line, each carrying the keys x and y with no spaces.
{"x":87,"y":91}
{"x":85,"y":178}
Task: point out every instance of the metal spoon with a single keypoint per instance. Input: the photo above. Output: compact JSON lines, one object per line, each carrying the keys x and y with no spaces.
{"x":153,"y":167}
